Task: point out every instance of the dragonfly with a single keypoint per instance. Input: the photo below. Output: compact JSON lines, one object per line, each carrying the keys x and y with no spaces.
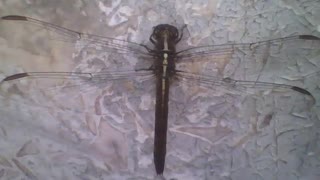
{"x":164,"y":68}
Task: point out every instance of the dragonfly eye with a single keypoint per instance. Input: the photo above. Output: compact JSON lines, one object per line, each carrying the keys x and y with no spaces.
{"x":163,"y":30}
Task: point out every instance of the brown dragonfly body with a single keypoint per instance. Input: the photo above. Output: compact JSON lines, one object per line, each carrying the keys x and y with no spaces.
{"x":164,"y":37}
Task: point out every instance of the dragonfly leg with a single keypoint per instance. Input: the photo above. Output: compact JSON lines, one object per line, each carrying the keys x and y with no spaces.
{"x":147,"y":48}
{"x":151,"y":68}
{"x":181,"y":33}
{"x":151,"y":39}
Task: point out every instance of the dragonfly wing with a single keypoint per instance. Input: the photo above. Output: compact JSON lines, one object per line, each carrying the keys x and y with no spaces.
{"x":287,"y":59}
{"x":223,"y":50}
{"x":80,"y":80}
{"x":243,"y":86}
{"x":71,"y":36}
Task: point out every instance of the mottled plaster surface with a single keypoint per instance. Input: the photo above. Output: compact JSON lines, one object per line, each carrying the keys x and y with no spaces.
{"x":62,"y":129}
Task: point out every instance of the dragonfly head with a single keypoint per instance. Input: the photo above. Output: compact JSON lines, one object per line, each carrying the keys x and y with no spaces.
{"x":162,"y":30}
{"x":164,"y":33}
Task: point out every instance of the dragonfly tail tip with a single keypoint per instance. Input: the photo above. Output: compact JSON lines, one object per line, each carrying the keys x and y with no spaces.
{"x":160,"y":177}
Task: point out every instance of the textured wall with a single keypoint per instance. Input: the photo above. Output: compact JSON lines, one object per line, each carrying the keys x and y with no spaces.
{"x":68,"y":129}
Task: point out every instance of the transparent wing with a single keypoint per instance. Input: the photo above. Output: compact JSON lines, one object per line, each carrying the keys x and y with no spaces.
{"x":241,"y":86}
{"x":257,"y":48}
{"x":104,"y":76}
{"x":70,"y":36}
{"x":76,"y":82}
{"x":253,"y":67}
